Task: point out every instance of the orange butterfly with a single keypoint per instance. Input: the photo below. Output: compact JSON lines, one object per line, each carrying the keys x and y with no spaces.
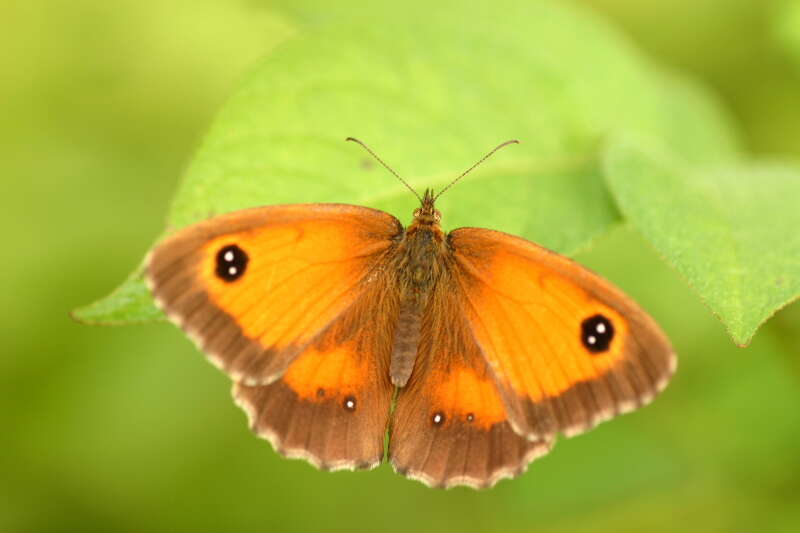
{"x":474,"y":349}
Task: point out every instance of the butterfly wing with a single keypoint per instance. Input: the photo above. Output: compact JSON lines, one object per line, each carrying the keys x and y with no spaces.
{"x":332,"y":404}
{"x":284,"y":299}
{"x":566,"y":348}
{"x":450,"y":426}
{"x":255,"y":287}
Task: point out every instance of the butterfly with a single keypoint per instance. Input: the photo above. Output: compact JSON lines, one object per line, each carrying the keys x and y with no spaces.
{"x":473,"y":349}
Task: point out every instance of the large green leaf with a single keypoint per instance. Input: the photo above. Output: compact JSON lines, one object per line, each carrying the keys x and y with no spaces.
{"x":730,"y":230}
{"x":431,"y":95}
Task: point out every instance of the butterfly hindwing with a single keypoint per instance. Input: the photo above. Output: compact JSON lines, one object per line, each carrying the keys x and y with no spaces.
{"x":568,"y":350}
{"x":253,"y":288}
{"x":450,"y":426}
{"x":331,"y":406}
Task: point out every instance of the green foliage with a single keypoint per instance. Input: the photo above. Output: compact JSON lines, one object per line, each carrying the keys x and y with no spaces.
{"x":729,"y":230}
{"x":130,"y":303}
{"x":431,"y":96}
{"x":787,"y":28}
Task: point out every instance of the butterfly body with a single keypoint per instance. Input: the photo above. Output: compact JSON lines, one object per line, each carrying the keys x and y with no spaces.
{"x":419,"y":261}
{"x":475,"y":349}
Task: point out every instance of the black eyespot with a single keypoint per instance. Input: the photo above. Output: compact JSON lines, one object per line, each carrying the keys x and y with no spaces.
{"x":231,"y":263}
{"x":320,"y":392}
{"x":470,"y":417}
{"x":349,"y":403}
{"x":597,"y":333}
{"x":437,"y":418}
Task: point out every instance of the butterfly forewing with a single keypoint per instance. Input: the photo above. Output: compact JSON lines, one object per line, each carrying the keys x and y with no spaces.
{"x":253,"y":288}
{"x":567,"y":348}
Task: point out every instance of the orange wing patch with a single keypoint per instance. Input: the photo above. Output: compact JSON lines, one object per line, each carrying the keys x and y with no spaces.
{"x":463,"y":394}
{"x":254,"y":287}
{"x":527,"y":314}
{"x":299,"y":274}
{"x":569,"y":350}
{"x":317,"y":374}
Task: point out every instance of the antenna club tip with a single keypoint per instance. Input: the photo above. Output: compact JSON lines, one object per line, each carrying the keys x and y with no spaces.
{"x":351,"y":139}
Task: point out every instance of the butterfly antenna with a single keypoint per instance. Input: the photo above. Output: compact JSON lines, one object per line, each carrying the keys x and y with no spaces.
{"x":470,"y":169}
{"x":387,"y":167}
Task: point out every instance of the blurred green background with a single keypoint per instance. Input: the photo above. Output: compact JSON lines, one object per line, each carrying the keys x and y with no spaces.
{"x":130,"y":429}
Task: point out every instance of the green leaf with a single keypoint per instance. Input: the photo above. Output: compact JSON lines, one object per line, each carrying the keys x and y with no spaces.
{"x":731,"y":230}
{"x":696,"y":126}
{"x":787,"y":28}
{"x":129,"y":303}
{"x":431,"y":95}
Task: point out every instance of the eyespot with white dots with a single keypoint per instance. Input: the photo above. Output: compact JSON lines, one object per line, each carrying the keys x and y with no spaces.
{"x":438,"y":418}
{"x":231,"y":263}
{"x":597,"y":332}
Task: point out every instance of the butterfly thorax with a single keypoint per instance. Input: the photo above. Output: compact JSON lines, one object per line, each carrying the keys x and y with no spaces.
{"x":421,"y":251}
{"x":421,"y":257}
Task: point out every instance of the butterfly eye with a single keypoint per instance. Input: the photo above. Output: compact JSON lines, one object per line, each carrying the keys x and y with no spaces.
{"x":231,"y":263}
{"x":597,"y":333}
{"x":437,"y":215}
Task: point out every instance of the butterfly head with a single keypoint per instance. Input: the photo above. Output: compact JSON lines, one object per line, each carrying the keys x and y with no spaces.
{"x":426,"y":213}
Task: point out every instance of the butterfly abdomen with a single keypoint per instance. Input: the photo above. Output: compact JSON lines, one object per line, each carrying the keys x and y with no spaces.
{"x":406,"y":341}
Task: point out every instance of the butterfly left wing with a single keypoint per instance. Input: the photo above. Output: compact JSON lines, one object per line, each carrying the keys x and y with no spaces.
{"x":295,"y":304}
{"x":450,"y":426}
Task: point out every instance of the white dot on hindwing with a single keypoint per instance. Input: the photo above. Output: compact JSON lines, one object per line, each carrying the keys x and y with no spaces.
{"x":591,"y":339}
{"x":601,"y":328}
{"x":229,"y":256}
{"x":232,"y":270}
